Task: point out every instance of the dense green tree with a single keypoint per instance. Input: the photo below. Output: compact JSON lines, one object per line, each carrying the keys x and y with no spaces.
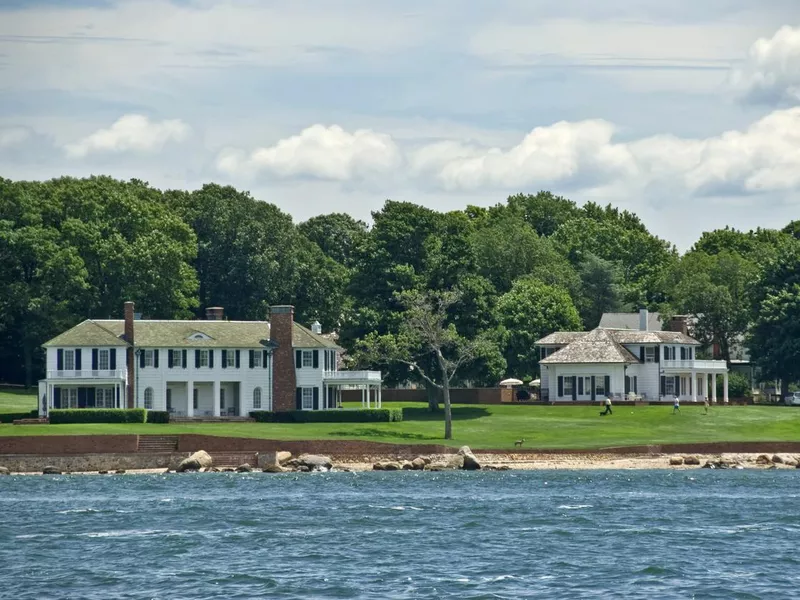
{"x":545,"y":212}
{"x":527,"y":313}
{"x":601,"y":290}
{"x":338,"y":235}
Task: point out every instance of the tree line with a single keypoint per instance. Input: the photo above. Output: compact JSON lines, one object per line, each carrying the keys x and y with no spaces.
{"x":497,"y":279}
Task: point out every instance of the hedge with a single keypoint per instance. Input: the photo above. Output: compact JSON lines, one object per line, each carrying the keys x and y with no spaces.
{"x":364,"y":415}
{"x":97,"y":415}
{"x":157,"y":416}
{"x":11,"y":417}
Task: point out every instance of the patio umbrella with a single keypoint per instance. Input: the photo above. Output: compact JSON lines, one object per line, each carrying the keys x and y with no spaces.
{"x":510,"y":382}
{"x":535,"y":383}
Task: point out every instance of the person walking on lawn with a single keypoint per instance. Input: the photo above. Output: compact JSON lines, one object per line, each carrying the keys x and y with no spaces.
{"x":676,"y":406}
{"x":607,"y":411}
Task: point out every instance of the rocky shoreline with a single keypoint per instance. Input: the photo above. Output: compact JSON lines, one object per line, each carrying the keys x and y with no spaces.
{"x":285,"y":462}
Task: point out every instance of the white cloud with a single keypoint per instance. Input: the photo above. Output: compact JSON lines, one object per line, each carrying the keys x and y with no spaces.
{"x":771,"y":73}
{"x":319,"y":152}
{"x":11,"y":136}
{"x":130,"y":132}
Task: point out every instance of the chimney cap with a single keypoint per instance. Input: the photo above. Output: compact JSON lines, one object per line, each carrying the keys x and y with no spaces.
{"x":281,"y":309}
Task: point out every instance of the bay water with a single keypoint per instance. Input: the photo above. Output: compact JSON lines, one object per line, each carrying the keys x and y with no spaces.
{"x":516,"y":534}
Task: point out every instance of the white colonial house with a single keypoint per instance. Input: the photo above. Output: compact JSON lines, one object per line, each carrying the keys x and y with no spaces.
{"x":199,"y":369}
{"x":627,"y":363}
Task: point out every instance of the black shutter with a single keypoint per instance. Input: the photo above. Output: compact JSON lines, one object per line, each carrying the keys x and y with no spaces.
{"x":683,"y":353}
{"x":574,"y":387}
{"x":224,"y":359}
{"x":57,"y":396}
{"x":237,"y":359}
{"x":316,"y":359}
{"x":112,"y":359}
{"x":211,"y":359}
{"x":594,"y":389}
{"x":60,"y":360}
{"x":298,"y":398}
{"x":90,"y":396}
{"x":316,"y":398}
{"x":183,"y":355}
{"x":635,"y":385}
{"x":94,"y":359}
{"x":580,"y":386}
{"x":641,"y":353}
{"x":170,"y":360}
{"x":78,"y":359}
{"x":560,"y":386}
{"x":691,"y":353}
{"x":156,"y":352}
{"x":264,"y":359}
{"x":252,"y":358}
{"x":298,"y":359}
{"x":627,"y":385}
{"x":141,"y":359}
{"x":678,"y":385}
{"x":658,"y":353}
{"x":326,"y":360}
{"x":663,"y":386}
{"x":82,"y":397}
{"x":116,"y":397}
{"x":608,"y":385}
{"x":197,"y":359}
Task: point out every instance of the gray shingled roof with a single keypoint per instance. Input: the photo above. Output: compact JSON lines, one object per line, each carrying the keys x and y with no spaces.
{"x":176,"y":334}
{"x":560,"y":338}
{"x":624,"y":336}
{"x":596,"y":346}
{"x":629,"y":321}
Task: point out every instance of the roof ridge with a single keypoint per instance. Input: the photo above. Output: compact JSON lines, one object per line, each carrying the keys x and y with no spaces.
{"x":109,"y":332}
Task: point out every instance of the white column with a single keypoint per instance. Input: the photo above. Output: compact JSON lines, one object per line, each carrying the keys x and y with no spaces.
{"x":190,"y":398}
{"x":164,"y":396}
{"x":713,"y":388}
{"x":380,"y":405}
{"x":725,"y":388}
{"x":693,"y":385}
{"x":216,"y":397}
{"x":363,"y":399}
{"x":705,"y":386}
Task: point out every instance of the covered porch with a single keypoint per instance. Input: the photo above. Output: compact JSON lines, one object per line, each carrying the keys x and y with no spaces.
{"x":202,"y":399}
{"x":689,"y":380}
{"x":368,"y":382}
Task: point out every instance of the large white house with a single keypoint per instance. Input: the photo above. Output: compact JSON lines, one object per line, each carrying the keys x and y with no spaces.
{"x":196,"y":368}
{"x":623,"y":363}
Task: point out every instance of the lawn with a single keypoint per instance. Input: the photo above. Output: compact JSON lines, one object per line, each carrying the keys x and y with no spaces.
{"x":498,"y":426}
{"x":16,"y":400}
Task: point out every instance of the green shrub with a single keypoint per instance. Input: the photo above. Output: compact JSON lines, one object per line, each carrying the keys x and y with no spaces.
{"x":364,"y":415}
{"x":11,"y":417}
{"x":157,"y":416}
{"x":97,"y":415}
{"x":738,"y":386}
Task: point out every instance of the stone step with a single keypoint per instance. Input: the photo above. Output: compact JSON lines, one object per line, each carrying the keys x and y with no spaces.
{"x":158,"y":443}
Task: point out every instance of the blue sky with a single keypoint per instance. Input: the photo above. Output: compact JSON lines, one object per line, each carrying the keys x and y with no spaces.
{"x":687,"y":113}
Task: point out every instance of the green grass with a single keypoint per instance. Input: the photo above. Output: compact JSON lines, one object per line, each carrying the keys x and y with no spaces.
{"x":16,"y":400}
{"x":497,"y":426}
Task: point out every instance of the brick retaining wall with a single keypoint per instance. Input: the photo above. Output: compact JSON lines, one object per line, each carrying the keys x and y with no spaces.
{"x":68,"y":444}
{"x":193,"y":442}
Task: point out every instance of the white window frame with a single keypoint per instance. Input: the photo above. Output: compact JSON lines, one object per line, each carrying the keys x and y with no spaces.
{"x":257,"y":358}
{"x":568,"y":386}
{"x":307,"y":359}
{"x":69,"y":360}
{"x":69,"y":397}
{"x":230,"y":359}
{"x":669,"y":386}
{"x":103,"y":360}
{"x":257,"y":398}
{"x":104,"y":397}
{"x":148,"y":402}
{"x":204,"y":358}
{"x":307,"y":395}
{"x":600,"y":385}
{"x":177,"y":359}
{"x":649,"y":354}
{"x":148,"y":358}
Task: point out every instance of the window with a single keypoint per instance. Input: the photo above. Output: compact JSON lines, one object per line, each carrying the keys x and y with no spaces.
{"x":568,"y":386}
{"x":194,"y":398}
{"x":69,"y":397}
{"x":308,"y":358}
{"x":257,"y":398}
{"x":222,"y":398}
{"x":587,"y":385}
{"x":230,"y":358}
{"x":669,"y":386}
{"x":308,"y":398}
{"x":102,"y":360}
{"x":177,"y":359}
{"x":689,"y":352}
{"x":649,"y":354}
{"x":69,"y":360}
{"x":669,"y":353}
{"x":148,"y":398}
{"x":203,"y":358}
{"x":148,"y":358}
{"x":600,"y":385}
{"x":104,"y":397}
{"x":257,"y":358}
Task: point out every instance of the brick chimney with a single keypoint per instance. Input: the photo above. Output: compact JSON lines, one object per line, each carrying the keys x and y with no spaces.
{"x":644,"y":319}
{"x":679,"y":323}
{"x":215,"y":313}
{"x":284,"y":380}
{"x":129,"y":317}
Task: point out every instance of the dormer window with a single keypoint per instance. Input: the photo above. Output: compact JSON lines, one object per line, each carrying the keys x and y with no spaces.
{"x":199,"y":335}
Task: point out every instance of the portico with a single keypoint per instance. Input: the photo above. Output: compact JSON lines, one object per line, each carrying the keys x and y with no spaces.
{"x":689,"y":379}
{"x":369,"y":382}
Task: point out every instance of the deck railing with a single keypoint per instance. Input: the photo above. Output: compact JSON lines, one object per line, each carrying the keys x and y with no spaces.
{"x":87,"y":374}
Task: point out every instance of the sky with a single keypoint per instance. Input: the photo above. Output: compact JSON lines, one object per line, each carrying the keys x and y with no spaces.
{"x":684,"y":112}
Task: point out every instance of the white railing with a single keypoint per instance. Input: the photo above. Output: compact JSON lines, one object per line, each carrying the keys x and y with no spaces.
{"x":697,"y":365}
{"x":90,"y":374}
{"x":353,"y":376}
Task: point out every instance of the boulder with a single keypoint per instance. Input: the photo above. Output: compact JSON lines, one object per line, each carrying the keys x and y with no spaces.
{"x":504,"y":468}
{"x":229,"y":470}
{"x":391,"y":466}
{"x":273,"y":469}
{"x":102,"y":472}
{"x":312,"y":460}
{"x":763,"y":459}
{"x":406,"y":465}
{"x":120,"y":471}
{"x":244,"y":468}
{"x":691,"y":460}
{"x":776,"y":458}
{"x":418,"y":464}
{"x":4,"y":471}
{"x":197,"y":461}
{"x":470,"y":462}
{"x":51,"y":470}
{"x":282,"y":457}
{"x":304,"y":469}
{"x":435,"y":467}
{"x":456,"y":461}
{"x":675,"y":460}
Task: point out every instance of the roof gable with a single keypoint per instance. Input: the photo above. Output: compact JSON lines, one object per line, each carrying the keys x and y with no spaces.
{"x":596,"y":346}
